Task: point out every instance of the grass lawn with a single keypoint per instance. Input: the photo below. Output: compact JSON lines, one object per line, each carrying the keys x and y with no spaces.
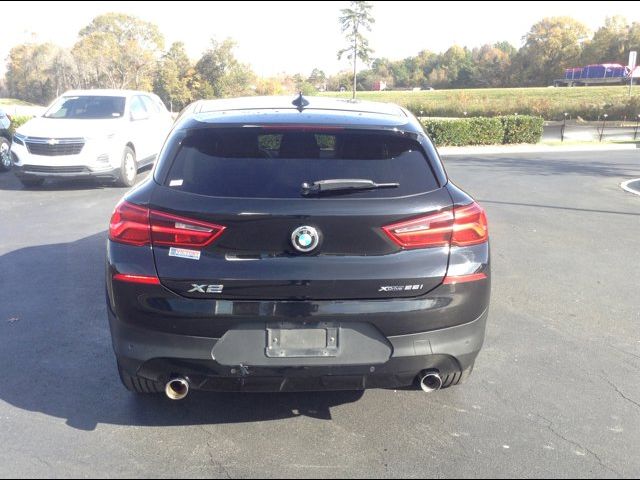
{"x":13,"y":101}
{"x":551,"y":103}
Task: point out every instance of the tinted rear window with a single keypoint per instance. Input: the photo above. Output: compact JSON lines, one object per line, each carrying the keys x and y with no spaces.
{"x":261,"y":163}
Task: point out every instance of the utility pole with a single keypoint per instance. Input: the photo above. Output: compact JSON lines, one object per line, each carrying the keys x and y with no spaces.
{"x":355,"y":59}
{"x":633,"y":58}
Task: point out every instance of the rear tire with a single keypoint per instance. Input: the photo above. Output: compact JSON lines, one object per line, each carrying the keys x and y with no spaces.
{"x":32,"y":182}
{"x":5,"y":155}
{"x":128,"y":169}
{"x":138,"y":385}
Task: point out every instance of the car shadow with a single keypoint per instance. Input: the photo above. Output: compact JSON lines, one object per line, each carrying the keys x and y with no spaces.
{"x":562,"y":164}
{"x":55,"y":352}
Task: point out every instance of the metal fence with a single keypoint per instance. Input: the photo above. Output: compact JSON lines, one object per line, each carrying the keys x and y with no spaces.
{"x":602,"y":131}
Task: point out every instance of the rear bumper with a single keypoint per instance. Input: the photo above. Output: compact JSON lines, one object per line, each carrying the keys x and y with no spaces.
{"x":159,"y":356}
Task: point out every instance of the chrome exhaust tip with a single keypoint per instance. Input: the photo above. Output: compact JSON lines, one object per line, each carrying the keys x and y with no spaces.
{"x":177,"y":389}
{"x":430,"y":381}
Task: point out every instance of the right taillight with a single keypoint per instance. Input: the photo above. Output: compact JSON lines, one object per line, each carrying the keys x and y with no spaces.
{"x":423,"y":232}
{"x":139,"y":226}
{"x":463,"y":226}
{"x":470,"y":226}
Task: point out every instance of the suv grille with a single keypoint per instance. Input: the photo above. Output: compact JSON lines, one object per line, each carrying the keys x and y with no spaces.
{"x":54,"y":147}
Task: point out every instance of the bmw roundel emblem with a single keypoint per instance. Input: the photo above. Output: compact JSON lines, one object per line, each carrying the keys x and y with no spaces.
{"x":305,"y":239}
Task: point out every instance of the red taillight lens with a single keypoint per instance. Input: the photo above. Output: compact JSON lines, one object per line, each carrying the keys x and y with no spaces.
{"x":473,"y":277}
{"x":139,"y":279}
{"x":173,"y":231}
{"x":462,"y":226}
{"x":130,"y":225}
{"x":470,"y":227}
{"x":134,"y":225}
{"x":430,"y":231}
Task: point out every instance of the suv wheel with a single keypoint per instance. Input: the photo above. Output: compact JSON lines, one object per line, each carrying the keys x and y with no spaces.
{"x":5,"y":155}
{"x":128,"y":169}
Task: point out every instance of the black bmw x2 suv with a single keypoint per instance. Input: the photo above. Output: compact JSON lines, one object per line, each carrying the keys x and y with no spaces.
{"x":300,"y":244}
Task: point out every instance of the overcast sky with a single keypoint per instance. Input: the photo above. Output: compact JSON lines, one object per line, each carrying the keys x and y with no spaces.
{"x":297,"y":36}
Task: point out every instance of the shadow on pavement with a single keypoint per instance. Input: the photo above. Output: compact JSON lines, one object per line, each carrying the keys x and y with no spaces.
{"x":56,"y":355}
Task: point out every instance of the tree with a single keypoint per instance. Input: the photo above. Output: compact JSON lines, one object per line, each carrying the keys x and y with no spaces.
{"x":352,"y":22}
{"x":226,"y":76}
{"x":506,"y":47}
{"x":39,"y":72}
{"x":609,"y":43}
{"x":612,"y":42}
{"x":118,"y":51}
{"x":173,"y":75}
{"x":551,"y":45}
{"x":339,"y":81}
{"x":318,"y":79}
{"x":492,"y":67}
{"x":634,"y":36}
{"x":270,"y":86}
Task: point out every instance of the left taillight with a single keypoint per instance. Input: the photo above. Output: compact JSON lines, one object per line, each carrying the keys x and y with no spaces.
{"x":130,"y":225}
{"x":462,"y":226}
{"x":172,"y":231}
{"x":139,"y":226}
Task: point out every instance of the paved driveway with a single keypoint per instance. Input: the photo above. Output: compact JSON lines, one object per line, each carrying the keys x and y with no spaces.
{"x":556,"y":391}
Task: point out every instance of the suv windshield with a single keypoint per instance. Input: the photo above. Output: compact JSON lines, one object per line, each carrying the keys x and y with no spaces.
{"x":87,"y":107}
{"x":267,"y":163}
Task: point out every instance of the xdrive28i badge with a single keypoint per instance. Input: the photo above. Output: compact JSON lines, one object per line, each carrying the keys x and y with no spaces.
{"x":305,"y":239}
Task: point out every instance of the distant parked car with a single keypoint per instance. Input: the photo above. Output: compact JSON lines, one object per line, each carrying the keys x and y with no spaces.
{"x":5,"y":142}
{"x":107,"y":134}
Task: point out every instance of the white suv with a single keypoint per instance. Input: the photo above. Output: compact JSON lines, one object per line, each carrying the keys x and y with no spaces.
{"x":106,"y":134}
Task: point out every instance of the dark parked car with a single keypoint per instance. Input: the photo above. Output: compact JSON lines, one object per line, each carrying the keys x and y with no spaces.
{"x":284,"y":246}
{"x":5,"y":142}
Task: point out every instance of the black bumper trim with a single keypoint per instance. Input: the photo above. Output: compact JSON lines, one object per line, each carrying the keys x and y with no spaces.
{"x":158,"y":356}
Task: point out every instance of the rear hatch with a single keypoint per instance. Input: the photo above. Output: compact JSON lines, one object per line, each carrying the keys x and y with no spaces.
{"x":239,"y":191}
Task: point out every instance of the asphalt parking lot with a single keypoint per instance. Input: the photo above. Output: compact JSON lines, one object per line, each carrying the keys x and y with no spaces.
{"x":555,"y":393}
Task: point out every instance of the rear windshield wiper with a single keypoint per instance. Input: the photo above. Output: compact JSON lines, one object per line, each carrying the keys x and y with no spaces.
{"x":343,"y":184}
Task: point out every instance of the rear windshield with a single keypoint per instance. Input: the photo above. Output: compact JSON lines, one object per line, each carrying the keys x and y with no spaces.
{"x":263,"y":163}
{"x":87,"y":107}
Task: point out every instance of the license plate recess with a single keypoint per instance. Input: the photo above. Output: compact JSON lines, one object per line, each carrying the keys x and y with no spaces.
{"x":303,"y":341}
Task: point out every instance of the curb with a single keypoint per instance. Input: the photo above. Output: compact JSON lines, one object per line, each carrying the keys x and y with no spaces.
{"x":636,"y":188}
{"x":496,"y":150}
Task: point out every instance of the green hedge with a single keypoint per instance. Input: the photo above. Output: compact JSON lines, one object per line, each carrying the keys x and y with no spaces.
{"x":522,"y":129}
{"x":485,"y":131}
{"x":17,"y":121}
